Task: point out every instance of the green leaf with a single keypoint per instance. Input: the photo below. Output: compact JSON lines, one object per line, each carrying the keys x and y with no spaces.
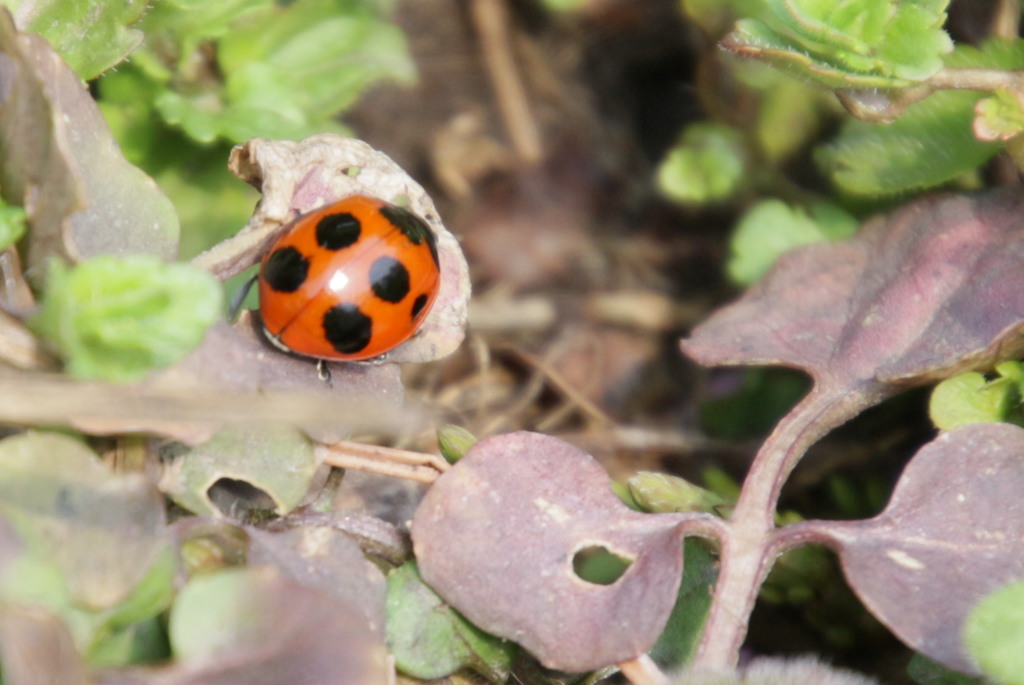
{"x":117,"y":319}
{"x":930,"y":144}
{"x":971,"y":398}
{"x":12,"y":224}
{"x":90,"y":35}
{"x":454,"y":442}
{"x":848,"y":43}
{"x":277,"y":464}
{"x":678,"y":643}
{"x":772,"y":227}
{"x":431,"y":640}
{"x":999,"y":117}
{"x":662,"y":493}
{"x":994,"y":634}
{"x":282,"y":70}
{"x":707,"y":165}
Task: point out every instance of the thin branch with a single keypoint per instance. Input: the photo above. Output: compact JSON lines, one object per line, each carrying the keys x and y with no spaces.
{"x":387,"y":461}
{"x":1006,"y":23}
{"x":747,"y":553}
{"x":491,"y":20}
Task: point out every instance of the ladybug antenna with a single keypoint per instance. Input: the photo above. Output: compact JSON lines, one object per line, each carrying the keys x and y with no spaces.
{"x":239,"y":298}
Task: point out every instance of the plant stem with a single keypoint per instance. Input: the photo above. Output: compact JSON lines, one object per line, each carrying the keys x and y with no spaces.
{"x":747,"y":552}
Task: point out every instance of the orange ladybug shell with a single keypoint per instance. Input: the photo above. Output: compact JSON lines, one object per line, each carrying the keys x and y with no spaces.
{"x":349,"y":281}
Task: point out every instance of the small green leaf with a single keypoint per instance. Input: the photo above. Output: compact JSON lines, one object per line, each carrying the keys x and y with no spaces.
{"x":662,"y":493}
{"x":90,"y":35}
{"x":705,"y":166}
{"x":994,"y":634}
{"x":431,"y":640}
{"x":12,"y":225}
{"x":930,"y":144}
{"x":851,"y":43}
{"x":999,"y":117}
{"x":971,"y":398}
{"x":117,"y":319}
{"x":454,"y":442}
{"x":772,"y":227}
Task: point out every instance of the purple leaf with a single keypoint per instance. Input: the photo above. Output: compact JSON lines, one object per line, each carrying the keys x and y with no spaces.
{"x":497,"y":534}
{"x":950,"y":535}
{"x":62,"y":164}
{"x":932,"y":289}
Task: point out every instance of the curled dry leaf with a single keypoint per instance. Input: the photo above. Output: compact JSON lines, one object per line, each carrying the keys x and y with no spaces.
{"x":935,"y":288}
{"x":950,"y":535}
{"x":298,"y":177}
{"x":497,"y":534}
{"x":61,"y":163}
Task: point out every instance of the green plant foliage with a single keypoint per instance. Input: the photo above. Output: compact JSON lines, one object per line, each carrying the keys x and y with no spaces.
{"x":999,"y":117}
{"x":972,"y":398}
{"x":678,"y":644}
{"x":705,"y":166}
{"x":771,"y":227}
{"x":90,"y":35}
{"x":660,"y":493}
{"x":431,"y":640}
{"x":849,"y":43}
{"x":117,"y":319}
{"x":994,"y":634}
{"x":454,"y":442}
{"x":750,"y":411}
{"x":279,"y":71}
{"x":931,"y":143}
{"x":12,"y":224}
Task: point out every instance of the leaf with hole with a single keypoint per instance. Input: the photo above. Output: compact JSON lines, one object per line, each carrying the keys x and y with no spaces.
{"x":266,"y":468}
{"x":497,"y":537}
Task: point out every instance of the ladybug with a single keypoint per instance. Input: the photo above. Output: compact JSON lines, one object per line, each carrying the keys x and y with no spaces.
{"x":349,"y":281}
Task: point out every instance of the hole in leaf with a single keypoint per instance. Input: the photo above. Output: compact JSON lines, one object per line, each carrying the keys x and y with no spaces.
{"x":240,"y":500}
{"x":598,"y":565}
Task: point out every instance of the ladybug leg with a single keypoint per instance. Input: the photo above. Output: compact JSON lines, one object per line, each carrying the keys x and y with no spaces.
{"x":239,"y":298}
{"x":323,"y":372}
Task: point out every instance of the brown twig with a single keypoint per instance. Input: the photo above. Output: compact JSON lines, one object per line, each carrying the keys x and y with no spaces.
{"x":490,"y":17}
{"x":1006,"y":22}
{"x":387,"y":461}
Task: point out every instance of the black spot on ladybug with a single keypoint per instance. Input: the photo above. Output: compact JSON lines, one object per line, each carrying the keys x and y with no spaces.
{"x":347,"y":329}
{"x":389,"y":279}
{"x":418,"y":305}
{"x":286,"y":270}
{"x":337,"y":231}
{"x":413,"y":227}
